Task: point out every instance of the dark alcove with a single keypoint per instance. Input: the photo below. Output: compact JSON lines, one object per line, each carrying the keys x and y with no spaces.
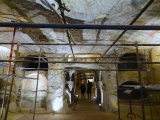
{"x":33,"y":63}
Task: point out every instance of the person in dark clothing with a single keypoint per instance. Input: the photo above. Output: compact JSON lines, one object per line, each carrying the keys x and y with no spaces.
{"x":83,"y":89}
{"x":89,"y":89}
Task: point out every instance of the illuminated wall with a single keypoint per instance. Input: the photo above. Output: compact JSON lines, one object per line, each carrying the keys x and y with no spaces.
{"x":29,"y":90}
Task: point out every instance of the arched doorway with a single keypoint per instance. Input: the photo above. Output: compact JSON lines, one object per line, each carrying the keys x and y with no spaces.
{"x":83,"y":73}
{"x":28,"y":88}
{"x":130,"y":77}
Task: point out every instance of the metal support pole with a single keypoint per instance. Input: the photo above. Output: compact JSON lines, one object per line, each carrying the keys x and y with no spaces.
{"x":64,"y":20}
{"x":140,"y":82}
{"x":8,"y":71}
{"x":150,"y":104}
{"x":10,"y":91}
{"x":98,"y":44}
{"x":78,"y":62}
{"x":148,"y":82}
{"x":81,"y":26}
{"x":69,"y":62}
{"x":130,"y":106}
{"x":117,"y":82}
{"x":3,"y":98}
{"x":37,"y":85}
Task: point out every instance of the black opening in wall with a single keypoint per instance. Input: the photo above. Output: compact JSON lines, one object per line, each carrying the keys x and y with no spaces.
{"x":132,"y":58}
{"x":134,"y":93}
{"x":34,"y":65}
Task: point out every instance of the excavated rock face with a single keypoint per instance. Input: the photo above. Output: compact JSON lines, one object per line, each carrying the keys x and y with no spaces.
{"x":110,"y":12}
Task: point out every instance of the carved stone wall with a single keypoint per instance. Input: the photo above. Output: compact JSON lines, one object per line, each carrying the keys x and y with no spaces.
{"x":29,"y":90}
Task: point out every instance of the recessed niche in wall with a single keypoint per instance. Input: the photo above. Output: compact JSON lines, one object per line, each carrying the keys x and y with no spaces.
{"x":33,"y":65}
{"x":132,"y":58}
{"x":134,"y":93}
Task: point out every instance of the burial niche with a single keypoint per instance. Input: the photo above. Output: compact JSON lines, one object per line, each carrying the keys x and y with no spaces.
{"x":33,"y":63}
{"x":132,"y":59}
{"x":124,"y":92}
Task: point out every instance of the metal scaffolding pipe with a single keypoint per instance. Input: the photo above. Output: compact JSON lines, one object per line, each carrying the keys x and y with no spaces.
{"x":120,"y":62}
{"x":130,"y":45}
{"x":8,"y":71}
{"x":80,"y":26}
{"x":140,"y":80}
{"x":35,"y":61}
{"x":11,"y":86}
{"x":64,"y":21}
{"x":117,"y":83}
{"x":81,"y":69}
{"x":60,"y":57}
{"x":35,"y":102}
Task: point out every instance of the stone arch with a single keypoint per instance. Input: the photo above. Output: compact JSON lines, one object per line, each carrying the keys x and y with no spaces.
{"x":89,"y":67}
{"x":29,"y":90}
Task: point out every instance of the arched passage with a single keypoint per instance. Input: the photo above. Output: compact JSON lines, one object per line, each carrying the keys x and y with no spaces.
{"x":83,"y":73}
{"x":29,"y":84}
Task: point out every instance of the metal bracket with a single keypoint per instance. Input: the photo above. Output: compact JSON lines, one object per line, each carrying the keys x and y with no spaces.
{"x":131,"y":114}
{"x":64,"y":8}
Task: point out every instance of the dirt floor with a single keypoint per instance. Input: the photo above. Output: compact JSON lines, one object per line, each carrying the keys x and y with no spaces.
{"x":86,"y":109}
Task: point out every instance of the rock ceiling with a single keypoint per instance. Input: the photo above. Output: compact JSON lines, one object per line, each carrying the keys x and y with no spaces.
{"x":103,"y":12}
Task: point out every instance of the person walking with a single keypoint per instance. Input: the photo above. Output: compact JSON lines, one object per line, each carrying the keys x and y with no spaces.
{"x":83,"y":89}
{"x":89,"y":89}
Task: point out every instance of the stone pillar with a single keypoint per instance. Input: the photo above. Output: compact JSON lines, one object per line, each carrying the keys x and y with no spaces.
{"x":56,"y":100}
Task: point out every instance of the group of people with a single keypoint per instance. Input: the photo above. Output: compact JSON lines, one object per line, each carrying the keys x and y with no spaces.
{"x":89,"y":90}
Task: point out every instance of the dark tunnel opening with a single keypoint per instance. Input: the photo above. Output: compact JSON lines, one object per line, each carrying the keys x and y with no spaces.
{"x":130,"y":57}
{"x":34,"y":65}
